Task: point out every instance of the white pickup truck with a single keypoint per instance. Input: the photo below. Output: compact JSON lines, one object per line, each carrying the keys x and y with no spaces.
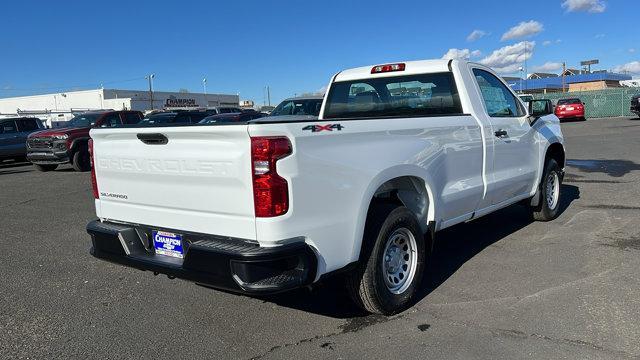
{"x":399,"y":152}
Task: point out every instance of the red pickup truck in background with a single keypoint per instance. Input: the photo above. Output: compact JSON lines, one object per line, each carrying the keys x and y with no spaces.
{"x":49,"y":148}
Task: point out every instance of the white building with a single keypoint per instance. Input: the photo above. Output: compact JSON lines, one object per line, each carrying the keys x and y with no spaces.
{"x":52,"y":108}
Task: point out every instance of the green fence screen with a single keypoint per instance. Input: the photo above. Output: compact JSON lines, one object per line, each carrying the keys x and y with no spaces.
{"x":599,"y":103}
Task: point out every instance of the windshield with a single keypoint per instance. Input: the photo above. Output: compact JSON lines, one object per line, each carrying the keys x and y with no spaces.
{"x":83,"y":120}
{"x":298,"y":107}
{"x":569,"y":101}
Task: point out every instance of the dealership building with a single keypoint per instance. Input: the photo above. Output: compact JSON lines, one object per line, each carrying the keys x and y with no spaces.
{"x":58,"y":107}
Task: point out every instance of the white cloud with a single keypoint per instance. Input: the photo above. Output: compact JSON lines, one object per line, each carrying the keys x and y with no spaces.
{"x":592,"y":6}
{"x":475,"y":35}
{"x":546,"y":43}
{"x":599,"y":36}
{"x":461,"y":54}
{"x":632,"y":67}
{"x":524,"y":29}
{"x":632,"y":50}
{"x":548,"y":67}
{"x":508,"y":59}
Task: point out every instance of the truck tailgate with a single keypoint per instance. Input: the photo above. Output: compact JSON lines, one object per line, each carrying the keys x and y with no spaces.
{"x":199,"y":179}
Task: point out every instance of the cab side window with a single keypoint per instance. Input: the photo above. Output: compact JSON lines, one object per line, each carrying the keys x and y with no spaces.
{"x":499,"y":101}
{"x":8,"y":127}
{"x":27,"y":125}
{"x":111,"y":120}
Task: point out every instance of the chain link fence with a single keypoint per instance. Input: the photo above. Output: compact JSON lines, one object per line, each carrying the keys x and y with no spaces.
{"x":599,"y":103}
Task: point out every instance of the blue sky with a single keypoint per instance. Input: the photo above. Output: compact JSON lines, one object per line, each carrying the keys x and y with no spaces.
{"x":294,"y":46}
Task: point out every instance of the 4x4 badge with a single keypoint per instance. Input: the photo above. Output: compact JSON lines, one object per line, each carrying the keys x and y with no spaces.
{"x":327,"y":127}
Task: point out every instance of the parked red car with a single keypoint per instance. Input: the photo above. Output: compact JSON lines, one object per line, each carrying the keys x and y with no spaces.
{"x":570,"y":109}
{"x":48,"y":148}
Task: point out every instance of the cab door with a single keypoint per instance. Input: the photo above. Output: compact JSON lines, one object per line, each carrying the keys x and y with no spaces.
{"x":512,"y":147}
{"x":10,"y":143}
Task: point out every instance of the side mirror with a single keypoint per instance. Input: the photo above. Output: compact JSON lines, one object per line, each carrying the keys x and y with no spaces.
{"x":539,"y":108}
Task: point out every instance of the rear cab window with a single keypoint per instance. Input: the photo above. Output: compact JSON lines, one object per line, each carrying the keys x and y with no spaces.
{"x":418,"y":95}
{"x":132,"y":118}
{"x":569,"y":102}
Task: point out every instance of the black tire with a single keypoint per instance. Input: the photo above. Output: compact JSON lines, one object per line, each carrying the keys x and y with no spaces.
{"x":548,"y":205}
{"x":366,"y":284}
{"x":81,"y":160}
{"x":46,"y":167}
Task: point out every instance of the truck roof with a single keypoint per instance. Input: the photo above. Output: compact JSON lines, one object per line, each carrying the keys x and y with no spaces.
{"x":411,"y":68}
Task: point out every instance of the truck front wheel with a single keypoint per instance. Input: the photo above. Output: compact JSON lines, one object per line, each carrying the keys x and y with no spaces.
{"x":393,"y":258}
{"x":549,"y":193}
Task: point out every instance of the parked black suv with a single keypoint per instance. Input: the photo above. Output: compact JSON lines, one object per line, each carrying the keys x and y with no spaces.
{"x":635,"y":105}
{"x":13,"y":136}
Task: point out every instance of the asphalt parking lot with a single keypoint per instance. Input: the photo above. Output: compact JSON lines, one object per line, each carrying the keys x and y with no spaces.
{"x":499,"y":287}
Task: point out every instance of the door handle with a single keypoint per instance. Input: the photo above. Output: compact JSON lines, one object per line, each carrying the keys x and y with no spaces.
{"x":153,"y":139}
{"x":501,"y":133}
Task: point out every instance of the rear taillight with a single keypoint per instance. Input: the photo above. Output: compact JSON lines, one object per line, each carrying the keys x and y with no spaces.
{"x":270,"y":190}
{"x":94,"y":182}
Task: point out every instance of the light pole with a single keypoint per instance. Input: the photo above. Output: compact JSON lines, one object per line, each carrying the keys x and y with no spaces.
{"x":525,"y":61}
{"x":150,"y":78}
{"x":204,"y":88}
{"x":521,"y":76}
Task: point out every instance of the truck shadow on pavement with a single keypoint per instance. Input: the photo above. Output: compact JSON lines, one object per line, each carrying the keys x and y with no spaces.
{"x":15,"y":167}
{"x":453,"y":247}
{"x":614,"y":168}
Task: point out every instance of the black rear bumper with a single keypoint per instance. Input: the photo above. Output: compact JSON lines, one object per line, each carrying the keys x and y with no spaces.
{"x":220,"y":262}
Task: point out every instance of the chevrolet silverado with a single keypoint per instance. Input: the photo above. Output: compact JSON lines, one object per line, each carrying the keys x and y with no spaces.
{"x":399,"y":152}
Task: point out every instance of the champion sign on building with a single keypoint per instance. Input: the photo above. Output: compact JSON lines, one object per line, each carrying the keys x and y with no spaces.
{"x":173,"y":101}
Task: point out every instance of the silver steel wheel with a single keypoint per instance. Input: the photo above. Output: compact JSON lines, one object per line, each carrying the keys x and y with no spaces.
{"x":553,"y":190}
{"x":399,"y":260}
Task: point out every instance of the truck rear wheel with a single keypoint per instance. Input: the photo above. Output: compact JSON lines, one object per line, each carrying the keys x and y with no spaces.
{"x":45,"y":167}
{"x":81,"y":160}
{"x":391,"y":264}
{"x":549,"y":193}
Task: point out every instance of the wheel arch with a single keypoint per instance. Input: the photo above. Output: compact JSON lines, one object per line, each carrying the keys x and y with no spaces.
{"x":403,"y":185}
{"x":79,"y":142}
{"x":556,"y":151}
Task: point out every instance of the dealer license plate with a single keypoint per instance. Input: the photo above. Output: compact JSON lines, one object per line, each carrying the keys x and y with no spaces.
{"x":168,"y":244}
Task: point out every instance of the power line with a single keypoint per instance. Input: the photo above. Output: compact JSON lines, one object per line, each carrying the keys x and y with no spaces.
{"x":71,"y":86}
